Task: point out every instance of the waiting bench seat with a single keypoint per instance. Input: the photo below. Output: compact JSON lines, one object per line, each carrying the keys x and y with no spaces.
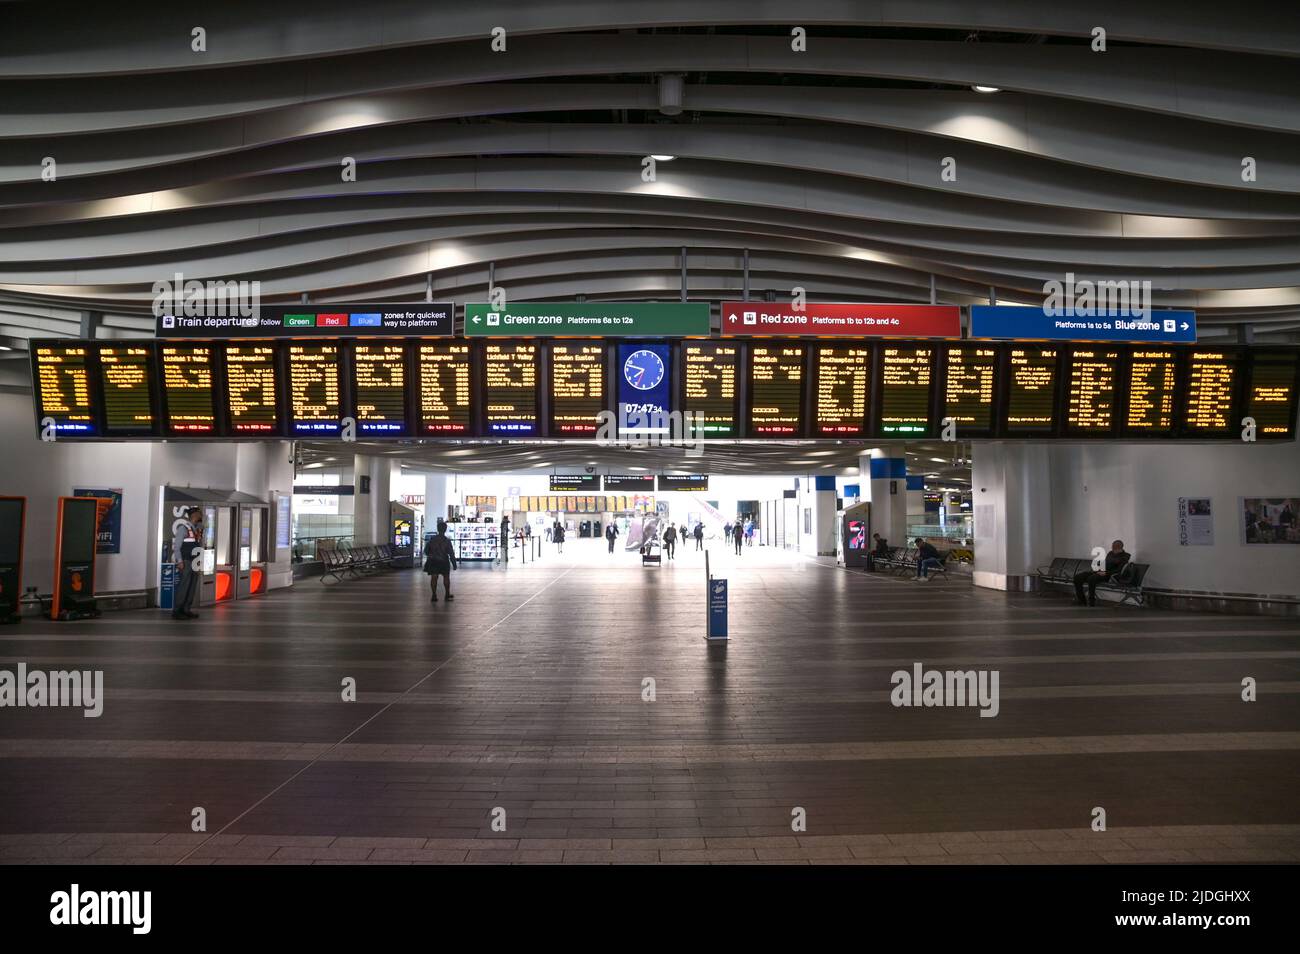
{"x":1063,"y":570}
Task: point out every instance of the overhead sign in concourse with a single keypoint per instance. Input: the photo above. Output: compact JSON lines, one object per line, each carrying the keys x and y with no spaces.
{"x":1028,"y":323}
{"x":410,"y":319}
{"x":821,"y":318}
{"x":607,"y":319}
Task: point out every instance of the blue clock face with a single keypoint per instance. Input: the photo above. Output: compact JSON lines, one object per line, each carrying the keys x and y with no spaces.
{"x":643,"y":370}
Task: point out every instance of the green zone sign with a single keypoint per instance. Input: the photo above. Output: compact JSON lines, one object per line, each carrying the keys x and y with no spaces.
{"x":607,"y":319}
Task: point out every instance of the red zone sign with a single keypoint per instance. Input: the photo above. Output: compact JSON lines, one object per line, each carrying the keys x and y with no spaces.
{"x":819,"y":318}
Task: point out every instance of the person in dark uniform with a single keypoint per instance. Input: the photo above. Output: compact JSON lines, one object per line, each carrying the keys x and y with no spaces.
{"x":1116,"y":560}
{"x":699,"y":536}
{"x":670,"y":540}
{"x":611,"y":534}
{"x":439,"y":559}
{"x":185,"y":547}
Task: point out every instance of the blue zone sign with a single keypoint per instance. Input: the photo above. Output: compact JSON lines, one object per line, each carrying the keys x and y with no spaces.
{"x":1020,"y":322}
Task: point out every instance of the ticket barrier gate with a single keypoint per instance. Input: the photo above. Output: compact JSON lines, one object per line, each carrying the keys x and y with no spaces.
{"x":234,"y":540}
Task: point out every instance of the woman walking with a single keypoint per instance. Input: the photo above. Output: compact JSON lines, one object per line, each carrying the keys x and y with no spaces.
{"x":439,"y":559}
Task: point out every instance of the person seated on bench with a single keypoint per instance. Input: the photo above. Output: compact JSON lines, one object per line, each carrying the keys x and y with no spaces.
{"x":879,"y":552}
{"x":927,"y":559}
{"x":1116,"y":560}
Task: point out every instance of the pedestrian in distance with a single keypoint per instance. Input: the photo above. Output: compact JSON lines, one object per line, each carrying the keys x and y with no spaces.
{"x":670,"y":540}
{"x":439,"y":561}
{"x":738,"y":534}
{"x":611,"y":534}
{"x":558,"y":536}
{"x":699,"y":536}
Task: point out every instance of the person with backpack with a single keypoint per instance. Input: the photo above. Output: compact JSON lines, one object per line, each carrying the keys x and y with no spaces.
{"x":439,"y":560}
{"x":738,"y":534}
{"x":670,"y":539}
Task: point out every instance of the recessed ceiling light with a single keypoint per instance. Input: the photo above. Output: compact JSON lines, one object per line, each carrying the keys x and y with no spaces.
{"x":662,"y":158}
{"x":987,"y":89}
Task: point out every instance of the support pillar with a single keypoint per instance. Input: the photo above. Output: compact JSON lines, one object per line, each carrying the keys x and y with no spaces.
{"x":435,"y":499}
{"x":884,"y":484}
{"x":1012,"y":504}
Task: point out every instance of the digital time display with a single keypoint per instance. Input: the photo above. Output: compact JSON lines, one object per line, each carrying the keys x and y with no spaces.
{"x":577,"y":388}
{"x":968,"y":389}
{"x":188,"y":388}
{"x":1090,"y":407}
{"x":905,"y":389}
{"x":250,"y":388}
{"x":1271,"y":399}
{"x":1152,"y":376}
{"x":510,"y":389}
{"x":843,"y":377}
{"x":63,"y":388}
{"x":711,"y":371}
{"x":776,"y":389}
{"x":379,"y":388}
{"x":444,"y":381}
{"x":1031,"y":397}
{"x":315,"y":388}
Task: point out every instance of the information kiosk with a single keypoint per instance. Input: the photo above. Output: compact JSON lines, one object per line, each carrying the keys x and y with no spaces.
{"x":13,"y":522}
{"x":855,"y":536}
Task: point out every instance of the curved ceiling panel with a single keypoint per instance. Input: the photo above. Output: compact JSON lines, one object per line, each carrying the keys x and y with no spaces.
{"x":1172,"y":157}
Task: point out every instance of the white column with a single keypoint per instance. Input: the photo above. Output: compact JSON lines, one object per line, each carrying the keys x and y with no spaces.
{"x":435,"y":499}
{"x":883,"y":475}
{"x":1012,"y":502}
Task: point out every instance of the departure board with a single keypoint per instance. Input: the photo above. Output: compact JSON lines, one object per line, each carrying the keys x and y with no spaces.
{"x":1090,"y":404}
{"x":188,"y":388}
{"x":250,"y":388}
{"x":711,"y":372}
{"x":906,"y":376}
{"x":315,"y":388}
{"x":842,"y":379}
{"x":1211,"y":384}
{"x":510,"y":389}
{"x":444,"y":373}
{"x":1031,"y":389}
{"x":775,"y":389}
{"x":63,"y":388}
{"x":1152,"y":376}
{"x":126,"y":376}
{"x":577,"y":388}
{"x":379,"y":388}
{"x":968,"y":390}
{"x":1271,"y":398}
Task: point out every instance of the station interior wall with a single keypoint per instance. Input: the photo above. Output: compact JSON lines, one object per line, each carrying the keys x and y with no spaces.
{"x":43,"y":472}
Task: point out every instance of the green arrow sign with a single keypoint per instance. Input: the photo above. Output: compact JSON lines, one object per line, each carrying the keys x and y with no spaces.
{"x":608,"y":319}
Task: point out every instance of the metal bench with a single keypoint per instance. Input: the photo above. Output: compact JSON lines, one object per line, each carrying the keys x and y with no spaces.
{"x":1063,"y":570}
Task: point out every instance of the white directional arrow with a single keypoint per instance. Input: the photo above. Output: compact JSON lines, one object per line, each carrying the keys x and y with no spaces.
{"x":731,"y":318}
{"x":475,"y":319}
{"x":1186,"y":326}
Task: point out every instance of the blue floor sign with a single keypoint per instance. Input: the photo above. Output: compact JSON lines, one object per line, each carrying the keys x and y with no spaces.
{"x":717,"y":609}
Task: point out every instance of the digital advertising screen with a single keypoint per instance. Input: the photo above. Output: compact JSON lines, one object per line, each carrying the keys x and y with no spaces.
{"x":711,"y":371}
{"x":776,"y":389}
{"x":315,"y":389}
{"x":1031,"y":389}
{"x":250,"y":388}
{"x":906,"y":377}
{"x":1271,"y":399}
{"x":1090,"y":401}
{"x":379,"y":388}
{"x":644,"y":389}
{"x":188,"y":388}
{"x":1211,"y":388}
{"x":62,"y":385}
{"x":444,"y":388}
{"x":1152,"y":378}
{"x":126,"y":379}
{"x":968,"y":387}
{"x":577,"y":388}
{"x":842,"y":379}
{"x":510,"y":389}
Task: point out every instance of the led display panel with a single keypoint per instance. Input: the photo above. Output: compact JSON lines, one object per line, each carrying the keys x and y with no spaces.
{"x":906,"y":386}
{"x":444,"y":389}
{"x":379,"y":388}
{"x":577,"y":385}
{"x":510,"y":389}
{"x":842,"y":378}
{"x":188,"y":389}
{"x":710,"y":372}
{"x":776,"y":389}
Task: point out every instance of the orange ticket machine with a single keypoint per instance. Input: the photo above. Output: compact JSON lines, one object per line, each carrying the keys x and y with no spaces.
{"x":13,"y":522}
{"x":75,"y":537}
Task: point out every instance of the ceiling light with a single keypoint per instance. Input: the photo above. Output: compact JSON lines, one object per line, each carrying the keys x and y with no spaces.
{"x":987,"y":89}
{"x":662,"y":158}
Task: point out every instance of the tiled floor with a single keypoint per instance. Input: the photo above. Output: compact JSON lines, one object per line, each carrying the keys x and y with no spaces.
{"x":526,"y":694}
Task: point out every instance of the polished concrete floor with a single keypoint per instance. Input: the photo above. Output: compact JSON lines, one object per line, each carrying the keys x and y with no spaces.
{"x":524,"y":701}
